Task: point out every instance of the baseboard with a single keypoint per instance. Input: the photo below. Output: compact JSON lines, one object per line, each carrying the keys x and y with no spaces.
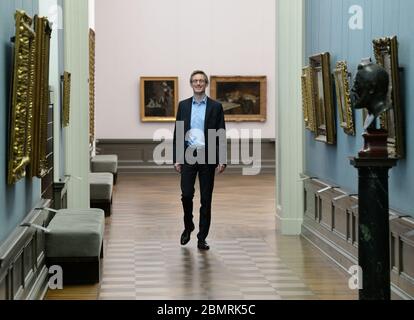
{"x":40,"y":287}
{"x":136,"y":156}
{"x":23,"y":272}
{"x":287,"y":226}
{"x":169,"y":168}
{"x":342,"y":258}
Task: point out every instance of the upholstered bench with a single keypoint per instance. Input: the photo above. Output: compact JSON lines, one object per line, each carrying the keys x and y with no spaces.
{"x":75,"y":243}
{"x":101,"y":187}
{"x":105,"y":163}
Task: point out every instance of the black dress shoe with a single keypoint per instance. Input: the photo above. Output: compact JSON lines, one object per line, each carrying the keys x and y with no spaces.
{"x":202,"y":245}
{"x":185,"y":237}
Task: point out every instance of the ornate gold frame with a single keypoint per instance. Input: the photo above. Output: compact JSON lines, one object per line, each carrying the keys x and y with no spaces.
{"x":21,"y":114}
{"x":66,"y":98}
{"x":91,"y":85}
{"x":386,"y":54}
{"x":143,"y":99}
{"x":343,"y":97}
{"x":262,"y":80}
{"x":322,"y":98}
{"x":43,"y":31}
{"x":308,"y":107}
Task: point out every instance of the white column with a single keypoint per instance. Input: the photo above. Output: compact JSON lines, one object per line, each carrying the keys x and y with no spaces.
{"x":77,"y":133}
{"x":51,"y":10}
{"x":289,"y":141}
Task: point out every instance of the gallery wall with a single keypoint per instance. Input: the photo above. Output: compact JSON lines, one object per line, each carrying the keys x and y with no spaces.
{"x":327,"y":29}
{"x":172,"y":38}
{"x":17,"y":200}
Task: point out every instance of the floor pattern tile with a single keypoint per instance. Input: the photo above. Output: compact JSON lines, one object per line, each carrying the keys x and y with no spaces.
{"x":244,"y":268}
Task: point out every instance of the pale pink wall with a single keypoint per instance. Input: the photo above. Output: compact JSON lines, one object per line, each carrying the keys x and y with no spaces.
{"x":172,"y":38}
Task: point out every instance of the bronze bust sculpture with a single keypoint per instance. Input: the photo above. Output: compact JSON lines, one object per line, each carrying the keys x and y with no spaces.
{"x":370,"y":91}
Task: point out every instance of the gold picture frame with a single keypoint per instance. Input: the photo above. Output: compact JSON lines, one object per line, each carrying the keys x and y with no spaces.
{"x":386,"y":55}
{"x":91,"y":86}
{"x":21,"y":113}
{"x":43,"y":30}
{"x":158,"y":99}
{"x":308,"y":108}
{"x":244,"y":98}
{"x":343,"y":97}
{"x":66,"y":98}
{"x":322,"y":98}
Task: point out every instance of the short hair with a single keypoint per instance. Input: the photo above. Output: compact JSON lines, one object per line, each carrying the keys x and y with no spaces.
{"x":199,"y":72}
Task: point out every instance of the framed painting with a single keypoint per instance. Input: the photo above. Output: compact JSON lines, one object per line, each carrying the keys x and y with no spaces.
{"x":343,"y":97}
{"x":43,"y":30}
{"x":159,"y":99}
{"x":322,"y":98}
{"x":66,"y":78}
{"x":243,"y":97}
{"x":386,"y":55}
{"x":22,"y":99}
{"x":307,"y":106}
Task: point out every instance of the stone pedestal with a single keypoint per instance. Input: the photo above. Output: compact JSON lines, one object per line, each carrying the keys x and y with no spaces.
{"x":373,"y":226}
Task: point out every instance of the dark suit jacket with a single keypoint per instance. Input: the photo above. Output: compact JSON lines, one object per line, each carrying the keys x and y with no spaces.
{"x":214,"y":120}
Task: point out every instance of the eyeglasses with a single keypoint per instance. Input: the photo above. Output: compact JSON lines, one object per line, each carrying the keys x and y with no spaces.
{"x":198,"y":80}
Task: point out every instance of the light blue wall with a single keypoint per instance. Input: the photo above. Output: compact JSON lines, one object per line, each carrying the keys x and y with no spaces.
{"x":327,"y":30}
{"x":15,"y":201}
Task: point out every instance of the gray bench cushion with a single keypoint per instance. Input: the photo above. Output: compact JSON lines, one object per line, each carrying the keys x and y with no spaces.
{"x":101,"y":185}
{"x":75,"y":233}
{"x":105,"y":163}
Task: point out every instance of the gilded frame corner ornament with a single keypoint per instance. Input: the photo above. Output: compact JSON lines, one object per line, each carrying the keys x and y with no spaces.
{"x":22,"y":99}
{"x":66,"y":99}
{"x":244,"y":98}
{"x":343,"y":97}
{"x":307,"y":105}
{"x":322,"y":98}
{"x":386,"y":55}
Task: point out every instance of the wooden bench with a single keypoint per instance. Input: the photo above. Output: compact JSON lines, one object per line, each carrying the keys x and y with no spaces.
{"x":75,"y":243}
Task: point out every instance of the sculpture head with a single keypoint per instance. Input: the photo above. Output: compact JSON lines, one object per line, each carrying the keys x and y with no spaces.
{"x":370,"y":89}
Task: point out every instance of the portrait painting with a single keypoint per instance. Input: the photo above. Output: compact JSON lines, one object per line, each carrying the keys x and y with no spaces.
{"x":322,"y":98}
{"x":159,"y":98}
{"x":343,"y":100}
{"x":243,"y":97}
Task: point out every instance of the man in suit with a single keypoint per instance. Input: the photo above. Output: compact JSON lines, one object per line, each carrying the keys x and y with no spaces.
{"x":203,"y":151}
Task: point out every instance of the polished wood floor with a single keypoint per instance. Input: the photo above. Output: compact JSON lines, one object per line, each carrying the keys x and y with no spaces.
{"x":247,"y":259}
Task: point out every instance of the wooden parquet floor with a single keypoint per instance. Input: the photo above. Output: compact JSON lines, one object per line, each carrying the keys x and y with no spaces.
{"x":247,"y":260}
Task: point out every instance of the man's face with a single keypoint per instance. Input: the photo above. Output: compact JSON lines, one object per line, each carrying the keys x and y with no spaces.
{"x":198,"y":83}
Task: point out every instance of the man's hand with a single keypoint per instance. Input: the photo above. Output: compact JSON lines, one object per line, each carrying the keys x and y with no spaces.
{"x":221,"y":168}
{"x":177,"y":167}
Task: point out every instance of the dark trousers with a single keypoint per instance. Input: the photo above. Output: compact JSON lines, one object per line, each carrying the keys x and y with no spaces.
{"x":206,"y":175}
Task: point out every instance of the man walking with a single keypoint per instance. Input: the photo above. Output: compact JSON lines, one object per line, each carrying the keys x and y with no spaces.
{"x":204,"y":151}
